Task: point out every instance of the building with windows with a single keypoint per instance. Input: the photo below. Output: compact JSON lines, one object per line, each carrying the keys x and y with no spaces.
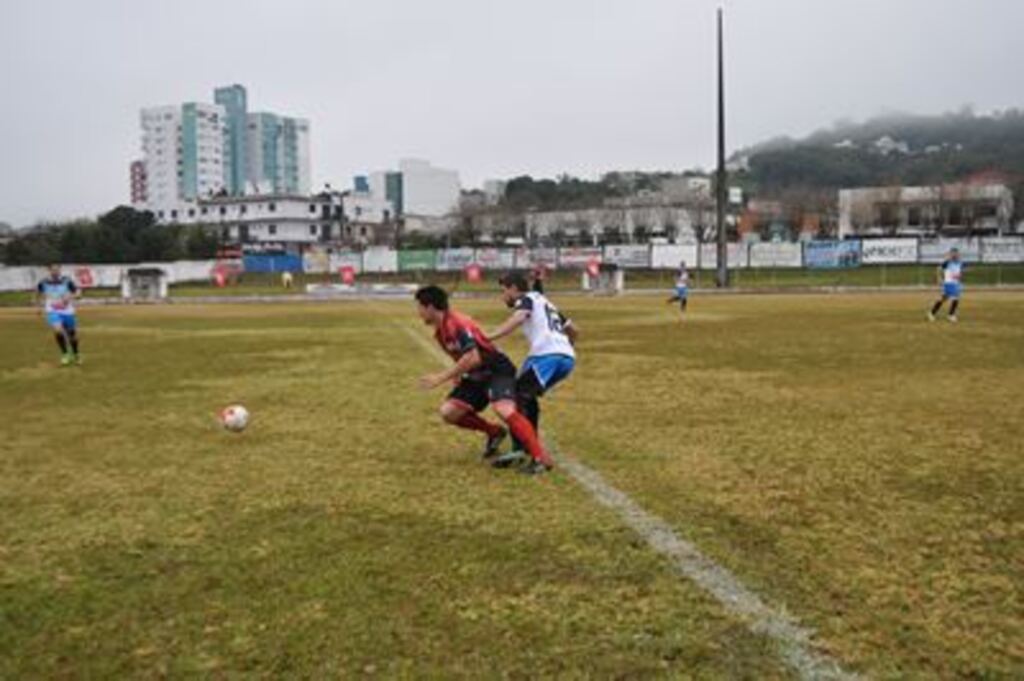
{"x":198,"y":150}
{"x":277,"y":154}
{"x":952,"y":209}
{"x":183,"y":149}
{"x":234,"y":100}
{"x":137,"y":171}
{"x":282,"y":218}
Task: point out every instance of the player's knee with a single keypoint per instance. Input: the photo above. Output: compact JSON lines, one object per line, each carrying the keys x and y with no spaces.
{"x":505,"y":408}
{"x":451,"y":413}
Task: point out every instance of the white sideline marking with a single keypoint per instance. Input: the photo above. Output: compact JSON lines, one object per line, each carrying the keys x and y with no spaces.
{"x":687,"y":560}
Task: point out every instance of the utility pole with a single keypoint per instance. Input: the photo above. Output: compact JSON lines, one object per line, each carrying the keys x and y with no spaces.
{"x":720,"y":188}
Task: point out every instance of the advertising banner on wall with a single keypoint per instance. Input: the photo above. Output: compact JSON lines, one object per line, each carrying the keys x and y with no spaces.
{"x":628,"y":256}
{"x":495,"y":258}
{"x":669,"y":256}
{"x":380,"y":260}
{"x":883,"y":251}
{"x":770,"y":254}
{"x":936,"y":250}
{"x":735,"y":252}
{"x":831,"y":254}
{"x":316,"y":260}
{"x":411,"y":261}
{"x":454,"y":259}
{"x":578,"y":256}
{"x":529,"y":258}
{"x":1002,"y":249}
{"x":351,"y":259}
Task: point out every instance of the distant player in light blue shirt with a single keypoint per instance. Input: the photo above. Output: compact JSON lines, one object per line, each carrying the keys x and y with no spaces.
{"x":950,"y":277}
{"x":682,"y":291}
{"x":56,"y":294}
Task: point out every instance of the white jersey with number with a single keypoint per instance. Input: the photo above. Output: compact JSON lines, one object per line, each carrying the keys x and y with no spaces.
{"x":544,"y":327}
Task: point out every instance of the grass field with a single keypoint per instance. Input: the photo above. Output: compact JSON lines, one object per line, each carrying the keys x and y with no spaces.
{"x":849,"y":462}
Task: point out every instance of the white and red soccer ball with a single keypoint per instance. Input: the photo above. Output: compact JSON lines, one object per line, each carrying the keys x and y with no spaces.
{"x":234,"y":418}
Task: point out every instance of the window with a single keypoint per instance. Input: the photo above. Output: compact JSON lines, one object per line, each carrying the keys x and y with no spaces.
{"x":312,"y":208}
{"x":223,"y":210}
{"x":241,"y":210}
{"x":271,"y":229}
{"x":202,"y":210}
{"x":271,"y":206}
{"x":160,"y":214}
{"x":174,"y":214}
{"x":312,"y":230}
{"x":359,"y":211}
{"x":191,"y":212}
{"x":914,"y":217}
{"x":362,"y":231}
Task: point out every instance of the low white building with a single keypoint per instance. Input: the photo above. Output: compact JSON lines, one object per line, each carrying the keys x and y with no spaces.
{"x":934,"y":210}
{"x":272,"y":217}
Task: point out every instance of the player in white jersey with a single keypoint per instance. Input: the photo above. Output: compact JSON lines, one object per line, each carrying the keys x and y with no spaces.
{"x":682,"y":288}
{"x":551,"y":358}
{"x":56,"y":293}
{"x":950,"y":274}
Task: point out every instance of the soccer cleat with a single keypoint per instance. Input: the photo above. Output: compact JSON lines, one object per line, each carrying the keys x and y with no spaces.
{"x":931,"y":316}
{"x":953,"y":319}
{"x":65,"y":360}
{"x":535,"y":468}
{"x":509,"y":459}
{"x":494,"y":443}
{"x":78,"y":360}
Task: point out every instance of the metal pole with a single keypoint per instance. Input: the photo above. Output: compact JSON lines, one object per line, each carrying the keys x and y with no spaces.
{"x":723,"y":264}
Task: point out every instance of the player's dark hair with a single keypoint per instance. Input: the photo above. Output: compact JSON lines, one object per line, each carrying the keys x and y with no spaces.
{"x":516,"y":280}
{"x":433,"y":296}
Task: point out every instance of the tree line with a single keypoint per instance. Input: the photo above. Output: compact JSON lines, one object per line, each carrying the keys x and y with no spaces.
{"x":123,"y":235}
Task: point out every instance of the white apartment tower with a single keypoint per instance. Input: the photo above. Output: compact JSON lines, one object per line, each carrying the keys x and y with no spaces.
{"x":183,"y":149}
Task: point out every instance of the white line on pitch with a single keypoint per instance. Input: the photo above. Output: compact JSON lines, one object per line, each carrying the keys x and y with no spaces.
{"x":687,"y":560}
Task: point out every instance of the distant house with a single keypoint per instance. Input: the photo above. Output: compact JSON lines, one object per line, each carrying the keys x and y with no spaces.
{"x":952,"y":209}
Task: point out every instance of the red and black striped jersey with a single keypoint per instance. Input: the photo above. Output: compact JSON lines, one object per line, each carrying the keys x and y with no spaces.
{"x":458,"y":334}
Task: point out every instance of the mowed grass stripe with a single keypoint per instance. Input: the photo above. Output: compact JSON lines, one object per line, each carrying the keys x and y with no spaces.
{"x":794,"y":641}
{"x":346,"y":532}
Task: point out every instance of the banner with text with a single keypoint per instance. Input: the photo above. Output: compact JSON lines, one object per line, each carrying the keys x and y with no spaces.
{"x":528,"y":258}
{"x":629,"y":256}
{"x":1002,"y":249}
{"x":884,"y":251}
{"x":495,"y":258}
{"x":454,"y":259}
{"x":831,"y":254}
{"x":936,"y":250}
{"x":736,"y":255}
{"x":670,"y":256}
{"x":347,"y":259}
{"x":771,"y":254}
{"x":413,"y":261}
{"x":578,"y":256}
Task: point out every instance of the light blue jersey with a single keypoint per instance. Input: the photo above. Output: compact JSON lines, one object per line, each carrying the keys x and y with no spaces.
{"x":952,"y":272}
{"x":59,"y":300}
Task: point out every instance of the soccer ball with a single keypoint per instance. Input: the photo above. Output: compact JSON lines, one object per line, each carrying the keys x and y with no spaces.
{"x":234,"y":418}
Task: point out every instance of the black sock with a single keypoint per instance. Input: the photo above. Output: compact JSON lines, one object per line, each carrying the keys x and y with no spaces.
{"x":62,"y":342}
{"x":937,"y":306}
{"x":953,"y":306}
{"x":682,"y":304}
{"x":73,"y":337}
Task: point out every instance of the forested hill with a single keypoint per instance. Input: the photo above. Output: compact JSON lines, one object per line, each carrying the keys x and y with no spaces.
{"x":893,"y":149}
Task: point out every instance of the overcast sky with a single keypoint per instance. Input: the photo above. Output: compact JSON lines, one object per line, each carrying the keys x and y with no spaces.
{"x":493,"y":89}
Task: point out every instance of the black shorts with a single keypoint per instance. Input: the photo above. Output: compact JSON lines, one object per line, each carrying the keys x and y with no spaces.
{"x":478,"y":393}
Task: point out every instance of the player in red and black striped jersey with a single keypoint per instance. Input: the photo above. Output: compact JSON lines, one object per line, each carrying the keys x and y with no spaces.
{"x":485,"y":376}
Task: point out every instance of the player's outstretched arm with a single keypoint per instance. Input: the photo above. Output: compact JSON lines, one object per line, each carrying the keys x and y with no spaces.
{"x":510,"y":324}
{"x":469,"y":361}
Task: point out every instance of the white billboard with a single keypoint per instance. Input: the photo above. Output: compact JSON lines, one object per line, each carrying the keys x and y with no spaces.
{"x":1002,"y":249}
{"x":347,"y":259}
{"x":769,"y":254}
{"x":496,"y":258}
{"x":380,"y":260}
{"x":736,"y":254}
{"x":669,"y":256}
{"x":936,"y":250}
{"x":628,"y":256}
{"x":882,"y":251}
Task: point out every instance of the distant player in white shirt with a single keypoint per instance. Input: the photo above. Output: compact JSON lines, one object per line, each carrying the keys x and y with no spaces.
{"x":551,"y":358}
{"x":682,"y":288}
{"x":950,"y":276}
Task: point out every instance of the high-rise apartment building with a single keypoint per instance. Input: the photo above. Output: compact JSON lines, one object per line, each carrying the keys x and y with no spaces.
{"x":233,"y":99}
{"x":278,"y":154}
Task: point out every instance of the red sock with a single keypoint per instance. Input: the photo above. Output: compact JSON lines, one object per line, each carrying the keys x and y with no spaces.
{"x":473,"y":421}
{"x":524,"y":432}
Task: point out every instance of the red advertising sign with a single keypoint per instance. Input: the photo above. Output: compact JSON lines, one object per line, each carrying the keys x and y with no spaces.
{"x":83,"y":275}
{"x":348,"y":274}
{"x":593,"y":267}
{"x":474,"y":273}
